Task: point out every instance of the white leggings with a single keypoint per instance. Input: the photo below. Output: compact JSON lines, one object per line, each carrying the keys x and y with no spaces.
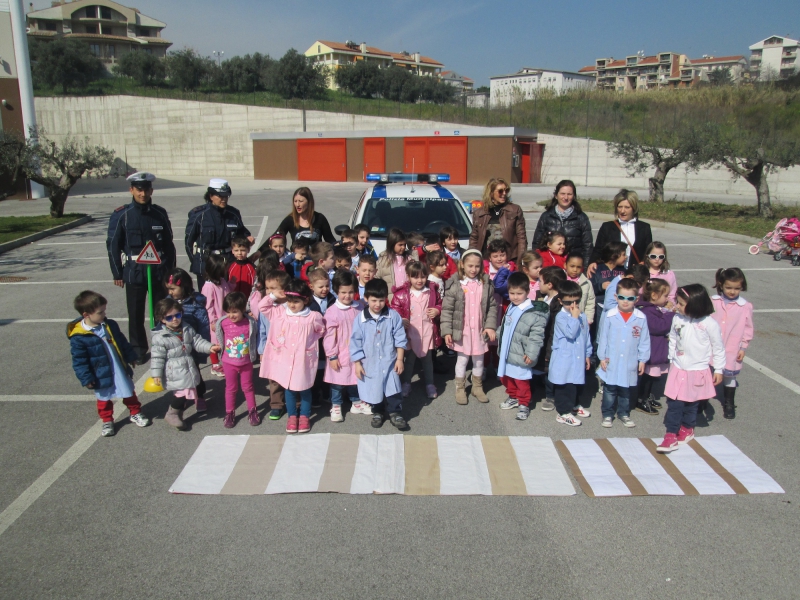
{"x":461,"y":364}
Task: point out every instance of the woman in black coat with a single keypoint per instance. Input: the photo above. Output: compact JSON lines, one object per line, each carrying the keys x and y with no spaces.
{"x":626,"y":228}
{"x":564,"y":214}
{"x":303,"y":221}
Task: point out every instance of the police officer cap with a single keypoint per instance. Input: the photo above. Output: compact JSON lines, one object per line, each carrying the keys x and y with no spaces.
{"x":141,"y":179}
{"x":219,"y":187}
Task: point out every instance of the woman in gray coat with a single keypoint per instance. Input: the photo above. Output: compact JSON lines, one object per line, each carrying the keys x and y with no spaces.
{"x":171,"y":362}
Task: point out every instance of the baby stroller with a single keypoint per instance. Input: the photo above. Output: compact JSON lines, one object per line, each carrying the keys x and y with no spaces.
{"x":783,"y":241}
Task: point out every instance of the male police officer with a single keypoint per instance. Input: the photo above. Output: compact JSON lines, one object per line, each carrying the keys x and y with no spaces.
{"x":212,"y":226}
{"x":130,"y":228}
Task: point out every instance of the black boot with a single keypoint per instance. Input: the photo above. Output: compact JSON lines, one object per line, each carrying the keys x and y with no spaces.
{"x":653,"y":402}
{"x":729,"y":408}
{"x":644,"y":405}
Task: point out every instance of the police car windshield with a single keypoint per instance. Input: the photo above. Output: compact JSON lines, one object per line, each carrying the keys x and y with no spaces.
{"x":421,"y":215}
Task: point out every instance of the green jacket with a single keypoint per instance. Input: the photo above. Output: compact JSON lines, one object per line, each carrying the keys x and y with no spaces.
{"x":454,"y":302}
{"x":528,"y":336}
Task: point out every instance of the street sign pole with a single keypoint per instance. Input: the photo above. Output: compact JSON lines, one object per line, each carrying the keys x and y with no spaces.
{"x":149,"y":256}
{"x":150,"y":294}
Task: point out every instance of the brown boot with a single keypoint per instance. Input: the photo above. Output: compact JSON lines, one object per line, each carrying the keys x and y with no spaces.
{"x":461,"y":390}
{"x":174,"y":417}
{"x":477,"y":389}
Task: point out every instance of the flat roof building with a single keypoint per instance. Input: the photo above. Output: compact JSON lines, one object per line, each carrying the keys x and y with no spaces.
{"x":774,"y":58}
{"x":525,"y":83}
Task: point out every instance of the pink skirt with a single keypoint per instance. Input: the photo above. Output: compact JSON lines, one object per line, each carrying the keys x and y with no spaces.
{"x":656,"y":370}
{"x":188,"y":393}
{"x":689,"y":386}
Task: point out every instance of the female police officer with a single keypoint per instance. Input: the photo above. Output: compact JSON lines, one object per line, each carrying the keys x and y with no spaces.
{"x":212,"y":226}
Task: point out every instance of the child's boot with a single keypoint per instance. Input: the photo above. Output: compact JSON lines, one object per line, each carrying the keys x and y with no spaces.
{"x":174,"y":418}
{"x":729,"y":408}
{"x":461,"y":390}
{"x":477,"y":389}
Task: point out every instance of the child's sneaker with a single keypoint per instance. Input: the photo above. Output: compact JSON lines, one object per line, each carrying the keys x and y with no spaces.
{"x":361,"y":408}
{"x":685,"y":434}
{"x":254,"y":418}
{"x":405,"y":389}
{"x":377,"y":420}
{"x":108,"y":429}
{"x":336,"y":414}
{"x":291,"y":424}
{"x":548,"y":404}
{"x":275,"y":414}
{"x":608,"y":422}
{"x":523,"y":413}
{"x":568,"y":420}
{"x":230,"y":420}
{"x":627,"y":421}
{"x":140,"y":420}
{"x":430,"y":391}
{"x":398,"y":421}
{"x":581,"y":412}
{"x":217,"y":370}
{"x":509,"y":403}
{"x":304,"y":426}
{"x":669,"y":444}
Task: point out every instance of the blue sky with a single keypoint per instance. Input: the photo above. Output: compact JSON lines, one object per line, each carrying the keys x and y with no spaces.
{"x":479,"y":38}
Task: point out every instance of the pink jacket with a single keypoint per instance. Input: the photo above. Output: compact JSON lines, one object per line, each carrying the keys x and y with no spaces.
{"x":291,"y":354}
{"x":215,"y":294}
{"x":669,"y":277}
{"x":736,"y":323}
{"x":401,"y":302}
{"x":338,"y":329}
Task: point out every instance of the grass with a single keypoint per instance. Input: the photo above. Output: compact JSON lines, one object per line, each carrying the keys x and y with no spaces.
{"x":732,"y":218}
{"x":12,"y":228}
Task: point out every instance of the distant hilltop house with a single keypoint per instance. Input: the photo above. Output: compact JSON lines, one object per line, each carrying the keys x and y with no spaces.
{"x":109,"y":29}
{"x":462,"y":83}
{"x":336,"y":54}
{"x":663,"y":70}
{"x":524,"y":84}
{"x":774,"y":58}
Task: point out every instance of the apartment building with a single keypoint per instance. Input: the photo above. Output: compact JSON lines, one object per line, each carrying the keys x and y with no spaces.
{"x":110,"y":29}
{"x":462,"y":83}
{"x":524,"y":84}
{"x":698,"y":69}
{"x":638,"y":72}
{"x":774,"y":58}
{"x":336,"y":54}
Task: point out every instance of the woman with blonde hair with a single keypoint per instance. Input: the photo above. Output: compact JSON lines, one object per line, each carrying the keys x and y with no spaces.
{"x":499,"y":219}
{"x":626,"y":228}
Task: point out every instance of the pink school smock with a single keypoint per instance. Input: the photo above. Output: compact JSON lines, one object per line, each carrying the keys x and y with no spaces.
{"x":338,"y":329}
{"x":399,"y":267}
{"x":215,"y":294}
{"x":533,"y":290}
{"x":472,"y":342}
{"x":735,"y":319}
{"x":292,"y":352}
{"x":421,"y":332}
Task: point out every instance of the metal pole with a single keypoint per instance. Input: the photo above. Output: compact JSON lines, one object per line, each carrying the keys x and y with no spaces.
{"x":18,"y":31}
{"x":150,"y":295}
{"x":586,"y":183}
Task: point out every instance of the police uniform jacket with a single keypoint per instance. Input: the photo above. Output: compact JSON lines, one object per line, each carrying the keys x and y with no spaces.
{"x":130,"y":228}
{"x":210,"y":229}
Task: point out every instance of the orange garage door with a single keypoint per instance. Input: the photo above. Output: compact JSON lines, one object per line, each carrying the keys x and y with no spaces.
{"x":322,"y":160}
{"x":437,"y":155}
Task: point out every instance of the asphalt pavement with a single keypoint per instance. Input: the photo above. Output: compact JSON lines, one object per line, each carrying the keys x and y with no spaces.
{"x":89,"y":517}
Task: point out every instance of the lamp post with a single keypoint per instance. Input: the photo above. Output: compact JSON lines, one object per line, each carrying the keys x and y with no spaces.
{"x":218,"y":54}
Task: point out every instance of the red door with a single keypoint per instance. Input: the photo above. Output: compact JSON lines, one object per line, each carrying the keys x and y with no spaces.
{"x":437,"y":155}
{"x":322,"y":160}
{"x":525,"y":161}
{"x":374,"y":155}
{"x":415,"y":155}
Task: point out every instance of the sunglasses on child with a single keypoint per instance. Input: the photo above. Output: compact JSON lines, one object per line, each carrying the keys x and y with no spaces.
{"x":569,"y":302}
{"x":626,"y":298}
{"x":170,"y":318}
{"x":656,"y":256}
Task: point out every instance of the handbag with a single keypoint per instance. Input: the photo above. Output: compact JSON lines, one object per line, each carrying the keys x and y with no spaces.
{"x":627,"y":241}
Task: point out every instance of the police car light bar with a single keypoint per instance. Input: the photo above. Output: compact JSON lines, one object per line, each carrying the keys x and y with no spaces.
{"x":408,"y":177}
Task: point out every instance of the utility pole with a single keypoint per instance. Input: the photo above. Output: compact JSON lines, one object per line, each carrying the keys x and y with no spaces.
{"x":25,"y":80}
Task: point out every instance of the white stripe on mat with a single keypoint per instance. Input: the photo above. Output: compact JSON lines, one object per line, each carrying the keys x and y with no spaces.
{"x":596,"y":468}
{"x":366,"y":471}
{"x":541,"y":466}
{"x":749,"y":474}
{"x":645,"y":467}
{"x":462,"y":466}
{"x":210,"y":465}
{"x":697,"y":471}
{"x":391,"y":477}
{"x":300,"y":464}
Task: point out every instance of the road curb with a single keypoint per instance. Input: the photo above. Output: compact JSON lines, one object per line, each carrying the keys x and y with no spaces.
{"x":34,"y":237}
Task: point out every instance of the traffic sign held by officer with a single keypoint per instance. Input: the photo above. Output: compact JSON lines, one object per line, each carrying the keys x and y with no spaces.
{"x":212,"y":226}
{"x":130,"y":228}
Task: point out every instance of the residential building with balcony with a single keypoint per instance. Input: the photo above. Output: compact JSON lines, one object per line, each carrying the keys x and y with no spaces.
{"x":336,"y":54}
{"x":774,"y":58}
{"x":109,"y":29}
{"x":637,"y":72}
{"x":526,"y":83}
{"x":698,"y":69}
{"x":462,"y":83}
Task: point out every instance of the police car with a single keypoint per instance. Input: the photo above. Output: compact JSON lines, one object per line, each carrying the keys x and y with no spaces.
{"x":413,"y":203}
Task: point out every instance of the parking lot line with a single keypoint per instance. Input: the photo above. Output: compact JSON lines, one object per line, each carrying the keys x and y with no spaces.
{"x":262,"y":231}
{"x":66,"y":243}
{"x":24,"y":501}
{"x":789,"y":385}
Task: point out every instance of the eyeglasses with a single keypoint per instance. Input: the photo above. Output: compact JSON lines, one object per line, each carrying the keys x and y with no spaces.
{"x":569,"y":302}
{"x":656,"y":256}
{"x":170,"y":318}
{"x":348,"y":243}
{"x":501,"y":191}
{"x":626,"y":298}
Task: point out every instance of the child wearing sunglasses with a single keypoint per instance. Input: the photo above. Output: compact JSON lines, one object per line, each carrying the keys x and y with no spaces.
{"x":655,"y":258}
{"x":171,"y":362}
{"x":623,"y":349}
